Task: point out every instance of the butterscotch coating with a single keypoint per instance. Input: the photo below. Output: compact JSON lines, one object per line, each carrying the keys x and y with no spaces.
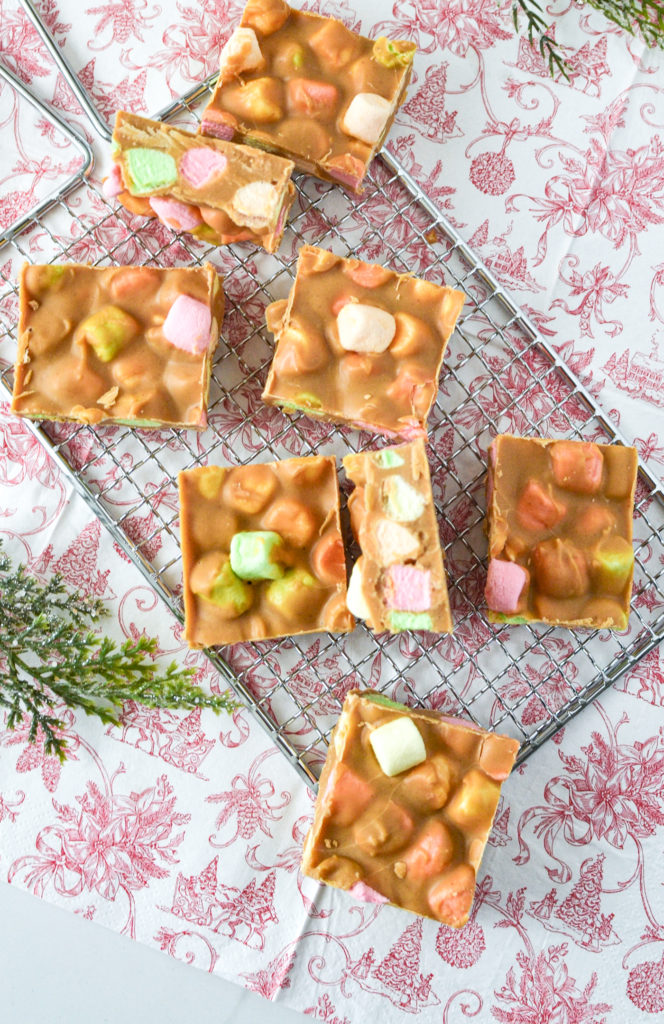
{"x":127,"y":345}
{"x":286,"y":515}
{"x":415,"y":839}
{"x":559,"y":522}
{"x":218,"y":191}
{"x":306,"y":87}
{"x":400,"y":572}
{"x":359,"y":344}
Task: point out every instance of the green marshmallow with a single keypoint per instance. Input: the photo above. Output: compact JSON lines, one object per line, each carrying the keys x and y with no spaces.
{"x":206,"y":234}
{"x":50,"y":277}
{"x":388,"y":459}
{"x":292,"y":594}
{"x":514,"y":620}
{"x":612,"y":562}
{"x":149,"y":169}
{"x":230,"y":593}
{"x":393,"y":54}
{"x":254,"y":554}
{"x":410,"y":620}
{"x":385,"y":702}
{"x":107,"y":331}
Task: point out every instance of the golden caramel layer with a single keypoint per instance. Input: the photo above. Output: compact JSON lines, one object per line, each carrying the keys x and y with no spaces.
{"x":400,"y":572}
{"x":290,"y":80}
{"x":358,"y":343}
{"x":415,"y":838}
{"x":559,"y":520}
{"x":218,"y":191}
{"x":287,"y":515}
{"x":93,"y":345}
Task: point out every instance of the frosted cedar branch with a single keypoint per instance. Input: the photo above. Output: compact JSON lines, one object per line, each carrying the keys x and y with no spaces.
{"x":49,"y":656}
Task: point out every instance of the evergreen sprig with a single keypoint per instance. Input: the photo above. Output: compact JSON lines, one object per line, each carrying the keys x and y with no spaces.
{"x":49,"y":653}
{"x":634,"y":16}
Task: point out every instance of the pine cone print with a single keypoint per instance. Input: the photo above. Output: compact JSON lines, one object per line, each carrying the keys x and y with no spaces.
{"x":492,"y":173}
{"x":461,"y":949}
{"x":645,"y":986}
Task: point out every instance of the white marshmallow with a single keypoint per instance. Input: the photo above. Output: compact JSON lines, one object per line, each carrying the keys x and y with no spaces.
{"x":241,"y":52}
{"x":366,"y":117}
{"x":255,"y":203}
{"x":356,"y":602}
{"x":402,"y":503}
{"x":365,"y":328}
{"x":398,"y":746}
{"x":395,"y":543}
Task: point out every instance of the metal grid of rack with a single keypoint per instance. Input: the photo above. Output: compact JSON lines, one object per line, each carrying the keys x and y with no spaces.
{"x":500,"y":375}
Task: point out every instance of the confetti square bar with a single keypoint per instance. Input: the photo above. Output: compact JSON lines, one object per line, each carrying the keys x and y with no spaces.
{"x":359,"y":344}
{"x":398,"y":582}
{"x":559,"y":520}
{"x":129,"y":345}
{"x":306,"y":87}
{"x":405,"y":806}
{"x":262,"y":551}
{"x":217,"y":191}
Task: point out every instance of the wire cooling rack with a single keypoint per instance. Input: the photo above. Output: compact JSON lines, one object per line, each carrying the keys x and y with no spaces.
{"x":500,"y":375}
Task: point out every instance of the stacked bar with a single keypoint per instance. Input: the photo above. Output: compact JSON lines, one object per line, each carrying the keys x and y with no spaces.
{"x":127,"y":345}
{"x":262,"y":551}
{"x":398,"y":582}
{"x":359,"y":344}
{"x":559,"y":518}
{"x":308,"y":88}
{"x":216,"y":191}
{"x":405,"y":806}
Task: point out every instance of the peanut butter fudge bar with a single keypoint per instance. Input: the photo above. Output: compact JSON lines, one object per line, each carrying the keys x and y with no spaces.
{"x":217,"y":191}
{"x":398,"y":582}
{"x":405,"y":806}
{"x":127,"y":345}
{"x":262,"y":551}
{"x":559,"y":518}
{"x":358,"y":343}
{"x":306,"y":87}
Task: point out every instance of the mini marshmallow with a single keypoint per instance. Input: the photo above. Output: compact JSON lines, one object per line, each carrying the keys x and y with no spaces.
{"x":366,"y":117}
{"x":398,"y":746}
{"x":356,"y":602}
{"x":364,"y":892}
{"x":200,"y":165}
{"x":408,"y":588}
{"x":395,"y":543}
{"x":365,"y":328}
{"x":149,"y":169}
{"x":388,"y":459}
{"x":187,"y":325}
{"x":176,"y":215}
{"x":113,"y":185}
{"x":255,"y":202}
{"x":612,"y":562}
{"x":107,"y":331}
{"x":241,"y":52}
{"x":409,"y":620}
{"x":401,"y":501}
{"x":505,"y":583}
{"x":253,"y":555}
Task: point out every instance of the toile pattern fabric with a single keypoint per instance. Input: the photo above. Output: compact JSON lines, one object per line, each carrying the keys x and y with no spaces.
{"x":185,"y":831}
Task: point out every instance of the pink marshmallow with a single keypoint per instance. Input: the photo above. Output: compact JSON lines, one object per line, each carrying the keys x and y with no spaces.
{"x":187,"y":325}
{"x":113,"y":185}
{"x":505,"y":583}
{"x":219,"y":129}
{"x":176,"y":215}
{"x":198,"y":166}
{"x":408,"y":588}
{"x":364,"y":892}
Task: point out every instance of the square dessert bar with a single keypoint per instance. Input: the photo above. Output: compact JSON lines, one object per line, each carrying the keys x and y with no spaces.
{"x":262,"y":553}
{"x":398,"y":582}
{"x":217,"y":191}
{"x":127,"y":345}
{"x":306,"y":87}
{"x":360,"y":344}
{"x":559,"y":518}
{"x":405,"y":806}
